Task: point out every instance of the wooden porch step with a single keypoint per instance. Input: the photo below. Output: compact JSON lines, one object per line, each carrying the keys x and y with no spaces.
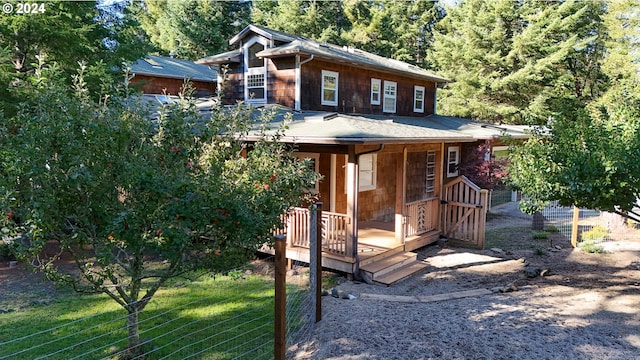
{"x":393,"y":268}
{"x":401,"y":273}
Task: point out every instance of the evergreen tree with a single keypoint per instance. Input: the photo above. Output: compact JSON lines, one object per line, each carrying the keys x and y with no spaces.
{"x":192,"y":29}
{"x":509,"y":59}
{"x":318,"y":20}
{"x":394,"y":29}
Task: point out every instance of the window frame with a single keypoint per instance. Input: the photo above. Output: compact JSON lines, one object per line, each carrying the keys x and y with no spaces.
{"x":387,"y":95}
{"x":375,"y":92}
{"x":328,"y":73}
{"x":416,"y":89}
{"x":374,"y":174}
{"x":253,"y":71}
{"x":455,"y":162}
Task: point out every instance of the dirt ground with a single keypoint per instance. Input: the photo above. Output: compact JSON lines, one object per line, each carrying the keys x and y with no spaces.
{"x":530,"y":299}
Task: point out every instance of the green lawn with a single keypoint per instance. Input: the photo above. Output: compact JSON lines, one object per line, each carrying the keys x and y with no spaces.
{"x":213,"y":318}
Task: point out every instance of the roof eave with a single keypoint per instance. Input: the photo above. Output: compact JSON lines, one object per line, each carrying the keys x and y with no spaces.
{"x":260,"y":31}
{"x":360,"y":141}
{"x":175,"y":77}
{"x":295,"y":51}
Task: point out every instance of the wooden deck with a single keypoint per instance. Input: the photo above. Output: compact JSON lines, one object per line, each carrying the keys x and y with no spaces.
{"x":382,"y":258}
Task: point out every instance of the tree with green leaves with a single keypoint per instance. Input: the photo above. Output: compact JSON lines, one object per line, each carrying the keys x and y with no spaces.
{"x":585,"y":158}
{"x":588,"y":155}
{"x":101,"y":36}
{"x":399,"y":30}
{"x":192,"y":29}
{"x":396,"y":29}
{"x":509,"y":59}
{"x":318,"y":20}
{"x":135,"y":202}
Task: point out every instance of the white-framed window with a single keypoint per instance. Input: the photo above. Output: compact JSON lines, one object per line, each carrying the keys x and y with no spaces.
{"x":453,"y":160}
{"x":315,"y":166}
{"x":255,"y":76}
{"x":367,"y":172}
{"x":375,"y":91}
{"x":430,"y":175}
{"x":390,"y":93}
{"x":329,"y":88}
{"x":418,"y":99}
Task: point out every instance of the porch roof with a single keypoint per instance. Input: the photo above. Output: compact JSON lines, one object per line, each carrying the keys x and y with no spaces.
{"x":335,"y":128}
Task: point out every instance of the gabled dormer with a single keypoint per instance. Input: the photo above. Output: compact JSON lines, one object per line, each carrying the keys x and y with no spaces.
{"x":271,"y":67}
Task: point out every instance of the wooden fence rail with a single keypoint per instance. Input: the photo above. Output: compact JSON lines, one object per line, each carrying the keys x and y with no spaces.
{"x":421,"y":216}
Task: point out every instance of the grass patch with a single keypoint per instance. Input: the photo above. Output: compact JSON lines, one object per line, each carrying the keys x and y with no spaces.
{"x":540,"y":235}
{"x":214,"y":318}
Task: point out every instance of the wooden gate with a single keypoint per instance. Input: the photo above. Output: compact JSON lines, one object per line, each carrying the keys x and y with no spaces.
{"x":464,"y":213}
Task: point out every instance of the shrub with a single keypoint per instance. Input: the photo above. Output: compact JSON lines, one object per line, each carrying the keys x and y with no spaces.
{"x":591,"y":247}
{"x":597,"y":233}
{"x":552,"y":229}
{"x":7,"y":250}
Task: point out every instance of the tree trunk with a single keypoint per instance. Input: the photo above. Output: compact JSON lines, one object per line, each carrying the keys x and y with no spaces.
{"x":133,"y":338}
{"x":538,"y":221}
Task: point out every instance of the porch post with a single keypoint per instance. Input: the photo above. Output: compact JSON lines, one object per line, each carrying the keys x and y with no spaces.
{"x":351,"y":248}
{"x":401,"y":186}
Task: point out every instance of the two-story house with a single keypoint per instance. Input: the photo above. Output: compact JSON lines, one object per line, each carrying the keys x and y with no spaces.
{"x":389,"y":162}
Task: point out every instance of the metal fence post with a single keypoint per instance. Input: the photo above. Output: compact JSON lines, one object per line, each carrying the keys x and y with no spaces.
{"x":280,"y":313}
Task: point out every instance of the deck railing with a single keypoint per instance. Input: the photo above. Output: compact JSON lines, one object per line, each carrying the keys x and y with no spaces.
{"x":298,"y":227}
{"x":334,"y":230}
{"x":421,"y":216}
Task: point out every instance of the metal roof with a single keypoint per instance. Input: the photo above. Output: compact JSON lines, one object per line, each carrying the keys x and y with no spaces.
{"x":162,"y":66}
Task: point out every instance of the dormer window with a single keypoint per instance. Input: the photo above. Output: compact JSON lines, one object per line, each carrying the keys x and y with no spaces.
{"x":390,"y":93}
{"x":375,"y":91}
{"x":329,"y":88}
{"x":255,"y":79}
{"x":418,"y":99}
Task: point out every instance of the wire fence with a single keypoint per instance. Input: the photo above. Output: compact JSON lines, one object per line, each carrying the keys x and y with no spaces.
{"x":228,"y":316}
{"x":592,"y":226}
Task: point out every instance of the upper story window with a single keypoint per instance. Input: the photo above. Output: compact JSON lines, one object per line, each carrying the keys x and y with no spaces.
{"x":418,"y":99}
{"x":329,"y":88}
{"x":375,"y":91}
{"x":255,"y":79}
{"x":453,"y":159}
{"x":390,"y":93}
